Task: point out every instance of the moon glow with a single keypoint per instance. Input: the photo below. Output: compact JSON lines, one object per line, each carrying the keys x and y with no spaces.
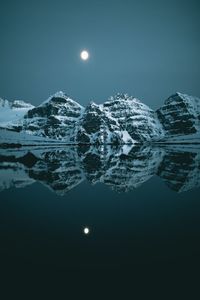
{"x":84,"y":55}
{"x":86,"y":230}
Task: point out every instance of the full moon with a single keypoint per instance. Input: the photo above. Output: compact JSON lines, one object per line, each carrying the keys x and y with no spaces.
{"x":84,"y":55}
{"x":86,"y":230}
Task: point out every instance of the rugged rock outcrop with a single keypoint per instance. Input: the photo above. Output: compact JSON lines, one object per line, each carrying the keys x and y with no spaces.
{"x":56,"y":118}
{"x":134,"y":117}
{"x":122,"y":119}
{"x":180,"y":115}
{"x":97,"y":126}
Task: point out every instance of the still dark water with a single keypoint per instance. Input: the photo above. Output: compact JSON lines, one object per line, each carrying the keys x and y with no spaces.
{"x":141,"y":206}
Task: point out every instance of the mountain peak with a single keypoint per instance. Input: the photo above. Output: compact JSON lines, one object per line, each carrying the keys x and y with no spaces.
{"x":121,"y":96}
{"x":121,"y":119}
{"x":60,"y":94}
{"x":60,"y":98}
{"x":180,"y":115}
{"x":4,"y":103}
{"x":20,"y":104}
{"x":92,"y":106}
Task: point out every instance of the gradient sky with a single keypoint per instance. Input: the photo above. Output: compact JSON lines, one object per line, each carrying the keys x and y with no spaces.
{"x":149,"y":49}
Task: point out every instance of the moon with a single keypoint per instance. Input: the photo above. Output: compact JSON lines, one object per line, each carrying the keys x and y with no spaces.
{"x":86,"y":230}
{"x":84,"y":55}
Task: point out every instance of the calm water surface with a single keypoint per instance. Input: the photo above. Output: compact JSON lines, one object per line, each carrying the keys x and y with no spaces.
{"x":86,"y":209}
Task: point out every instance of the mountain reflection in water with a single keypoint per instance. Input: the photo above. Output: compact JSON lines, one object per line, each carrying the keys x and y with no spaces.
{"x":121,"y":168}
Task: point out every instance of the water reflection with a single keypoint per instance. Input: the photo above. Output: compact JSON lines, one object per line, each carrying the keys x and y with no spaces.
{"x":121,"y":168}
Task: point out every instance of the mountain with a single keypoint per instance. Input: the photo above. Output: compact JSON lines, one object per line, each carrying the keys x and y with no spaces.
{"x":180,"y":116}
{"x":122,"y":119}
{"x":97,"y":126}
{"x":56,"y":118}
{"x":12,"y":113}
{"x":134,"y":117}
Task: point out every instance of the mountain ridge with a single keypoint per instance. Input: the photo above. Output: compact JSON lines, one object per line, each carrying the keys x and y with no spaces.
{"x":122,"y":119}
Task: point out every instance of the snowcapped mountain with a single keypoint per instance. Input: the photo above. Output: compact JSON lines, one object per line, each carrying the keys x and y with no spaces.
{"x":180,"y":116}
{"x":12,"y":113}
{"x":56,"y":118}
{"x":98,"y":126}
{"x":122,"y":119}
{"x":134,"y":117}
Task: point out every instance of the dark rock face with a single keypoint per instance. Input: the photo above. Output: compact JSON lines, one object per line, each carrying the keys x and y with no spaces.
{"x":180,"y":115}
{"x":92,"y":119}
{"x":56,"y":118}
{"x":96,"y":127}
{"x":82,"y":137}
{"x":133,"y":116}
{"x":120,"y":120}
{"x":61,"y":106}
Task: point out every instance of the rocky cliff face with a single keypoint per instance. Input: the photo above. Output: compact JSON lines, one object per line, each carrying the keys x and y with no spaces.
{"x":122,"y":119}
{"x":97,"y":126}
{"x":133,"y":116}
{"x":56,"y":118}
{"x":180,"y":115}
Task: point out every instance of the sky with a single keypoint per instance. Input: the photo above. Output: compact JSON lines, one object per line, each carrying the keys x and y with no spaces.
{"x":148,"y":49}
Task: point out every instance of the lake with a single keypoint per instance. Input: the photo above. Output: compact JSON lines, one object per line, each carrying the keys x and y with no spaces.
{"x":87,"y":209}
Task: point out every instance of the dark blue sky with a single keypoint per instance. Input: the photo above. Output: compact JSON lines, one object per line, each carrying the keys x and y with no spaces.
{"x":149,"y":49}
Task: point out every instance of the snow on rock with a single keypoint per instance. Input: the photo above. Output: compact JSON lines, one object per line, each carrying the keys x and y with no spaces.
{"x":134,"y":117}
{"x":180,"y":116}
{"x":56,"y":118}
{"x":8,"y":137}
{"x":98,"y":127}
{"x":122,"y":119}
{"x":12,"y":113}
